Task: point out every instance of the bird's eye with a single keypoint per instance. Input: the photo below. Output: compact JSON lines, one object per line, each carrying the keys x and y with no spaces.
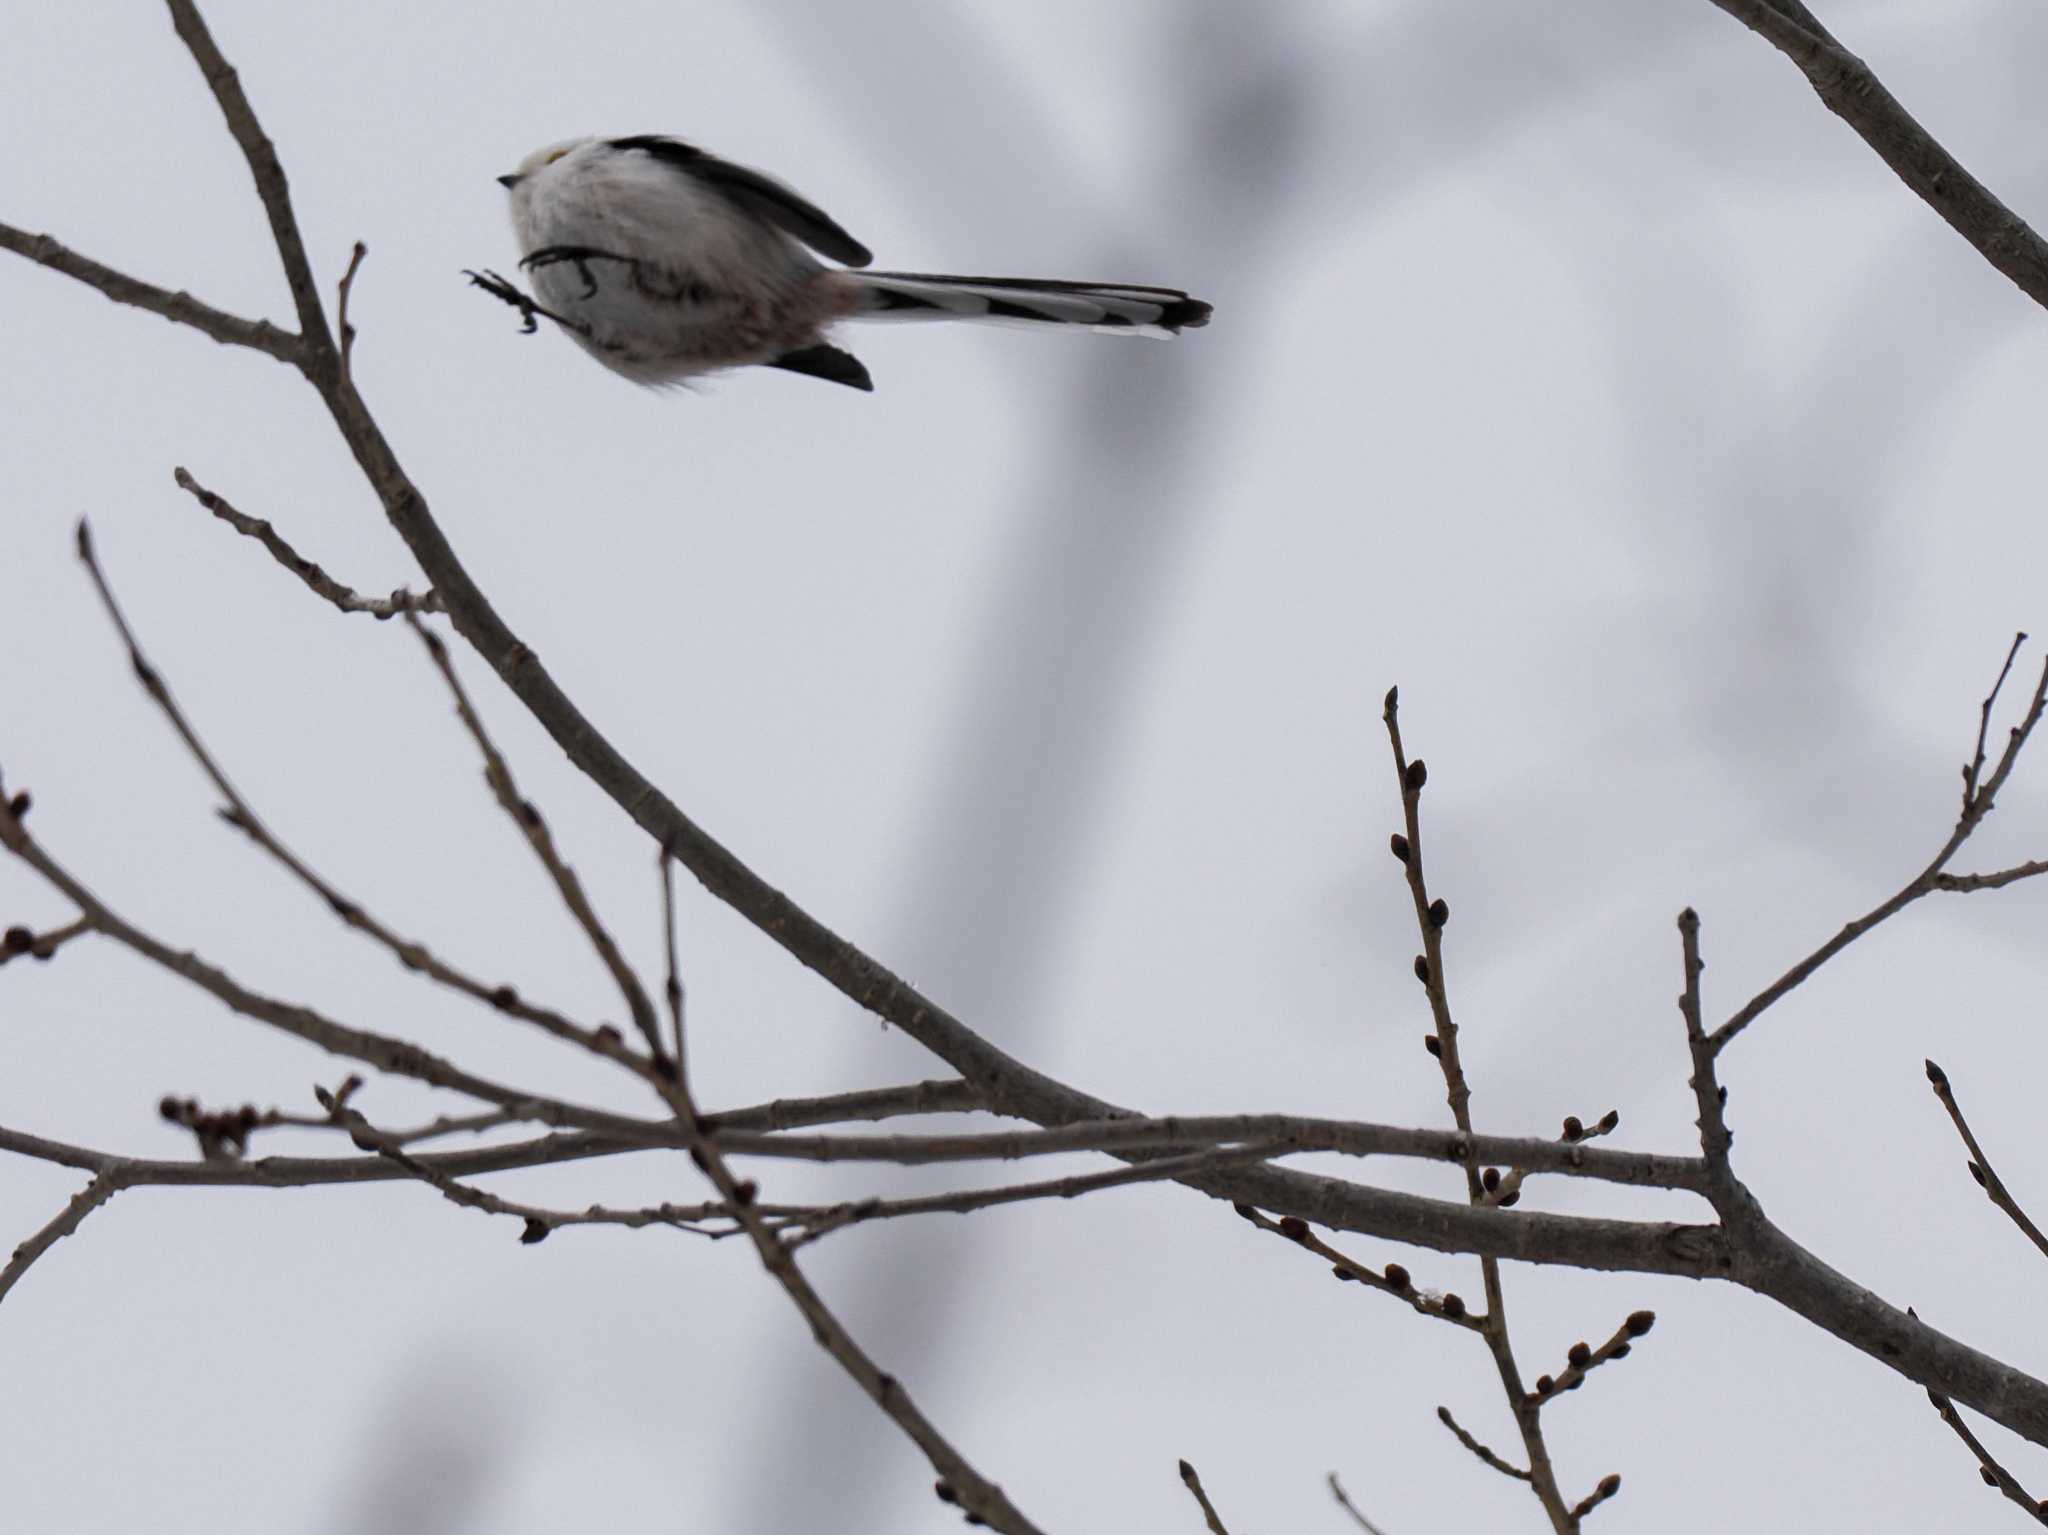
{"x":553,"y":156}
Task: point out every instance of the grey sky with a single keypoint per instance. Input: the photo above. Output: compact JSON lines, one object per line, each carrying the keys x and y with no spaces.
{"x":1572,"y":368}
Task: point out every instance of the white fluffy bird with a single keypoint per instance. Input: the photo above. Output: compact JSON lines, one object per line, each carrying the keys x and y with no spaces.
{"x":664,"y":263}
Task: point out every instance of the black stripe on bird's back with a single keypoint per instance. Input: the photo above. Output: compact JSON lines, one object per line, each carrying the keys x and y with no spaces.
{"x":1003,"y":309}
{"x":763,"y":196}
{"x":886,"y":299}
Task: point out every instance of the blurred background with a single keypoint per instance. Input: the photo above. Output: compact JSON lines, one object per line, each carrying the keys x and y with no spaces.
{"x":1572,"y":368}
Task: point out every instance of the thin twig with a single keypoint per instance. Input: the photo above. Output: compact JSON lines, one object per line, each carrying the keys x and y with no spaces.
{"x":1980,"y":1165}
{"x":673,"y":985}
{"x":1504,"y":1191}
{"x":1344,"y":1502}
{"x":1296,"y":1133}
{"x":1444,"y":1417}
{"x":344,"y":598}
{"x":1580,"y":1359}
{"x":88,"y":1199}
{"x":342,"y":292}
{"x":18,"y":942}
{"x":1708,"y":1095}
{"x":267,"y":171}
{"x":1193,"y":1483}
{"x":1974,"y":768}
{"x":1431,"y":917}
{"x":382,"y":1051}
{"x":838,"y":1217}
{"x":1609,"y":1486}
{"x":1997,"y":879}
{"x":1394,"y":1280}
{"x":1994,"y":1474}
{"x":542,"y":1151}
{"x":527,"y":817}
{"x":1976,"y":806}
{"x":242,"y":816}
{"x":181,"y":308}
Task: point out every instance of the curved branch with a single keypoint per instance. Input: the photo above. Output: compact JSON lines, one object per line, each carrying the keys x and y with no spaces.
{"x":181,"y":308}
{"x":269,"y":176}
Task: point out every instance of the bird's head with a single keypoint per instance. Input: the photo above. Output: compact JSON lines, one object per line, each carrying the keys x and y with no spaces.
{"x":537,"y":162}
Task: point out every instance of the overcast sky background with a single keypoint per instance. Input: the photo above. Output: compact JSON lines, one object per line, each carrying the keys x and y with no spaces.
{"x":1572,"y":368}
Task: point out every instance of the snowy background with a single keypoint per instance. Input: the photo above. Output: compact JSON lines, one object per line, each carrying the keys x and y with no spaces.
{"x":1572,"y":368}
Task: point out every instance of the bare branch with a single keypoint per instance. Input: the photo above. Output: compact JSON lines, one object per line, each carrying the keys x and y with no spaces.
{"x":527,"y":817}
{"x":1444,"y":1417}
{"x":1580,"y":1359}
{"x":1963,"y":884}
{"x":673,"y":986}
{"x":1974,"y":768}
{"x":180,"y":307}
{"x":547,"y":1150}
{"x":264,"y":166}
{"x":19,"y":941}
{"x":384,"y":1052}
{"x":342,"y":291}
{"x":1609,"y":1486}
{"x":838,"y":1217}
{"x":1708,"y":1093}
{"x":1980,"y":1165}
{"x":323,"y":585}
{"x":1976,"y":806}
{"x":1344,"y":1502}
{"x":936,"y":1097}
{"x":1394,"y":1280}
{"x":88,"y":1199}
{"x":1294,"y":1133}
{"x":1431,"y":916}
{"x":1847,"y":88}
{"x":1994,"y":1474}
{"x":242,"y":816}
{"x":1193,"y":1483}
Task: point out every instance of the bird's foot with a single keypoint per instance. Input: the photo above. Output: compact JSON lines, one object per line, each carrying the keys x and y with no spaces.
{"x":580,"y":256}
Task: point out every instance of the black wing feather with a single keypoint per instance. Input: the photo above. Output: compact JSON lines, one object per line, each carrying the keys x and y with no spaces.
{"x":760,"y":195}
{"x":829,"y":363}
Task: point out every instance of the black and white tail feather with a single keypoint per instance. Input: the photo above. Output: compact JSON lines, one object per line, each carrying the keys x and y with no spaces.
{"x":666,"y":263}
{"x":1114,"y":309}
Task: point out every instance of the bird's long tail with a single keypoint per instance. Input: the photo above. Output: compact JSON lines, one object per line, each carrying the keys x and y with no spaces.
{"x":1119,"y":309}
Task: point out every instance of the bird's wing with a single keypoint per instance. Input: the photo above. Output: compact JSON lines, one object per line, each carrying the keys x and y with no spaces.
{"x":760,"y":195}
{"x":827,"y":362}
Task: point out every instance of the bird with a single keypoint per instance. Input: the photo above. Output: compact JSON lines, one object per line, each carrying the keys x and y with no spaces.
{"x":666,"y":263}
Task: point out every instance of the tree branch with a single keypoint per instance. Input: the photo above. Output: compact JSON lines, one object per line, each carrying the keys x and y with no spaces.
{"x":103,"y":1187}
{"x":1978,"y":801}
{"x":181,"y":308}
{"x":1980,"y":1165}
{"x":1848,"y":88}
{"x":269,"y":176}
{"x":316,"y":578}
{"x":1994,"y":1474}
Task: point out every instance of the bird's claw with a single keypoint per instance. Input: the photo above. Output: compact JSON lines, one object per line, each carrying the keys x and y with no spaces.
{"x":500,"y":289}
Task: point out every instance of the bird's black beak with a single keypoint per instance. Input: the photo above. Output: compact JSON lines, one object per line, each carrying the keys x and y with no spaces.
{"x":509,"y":182}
